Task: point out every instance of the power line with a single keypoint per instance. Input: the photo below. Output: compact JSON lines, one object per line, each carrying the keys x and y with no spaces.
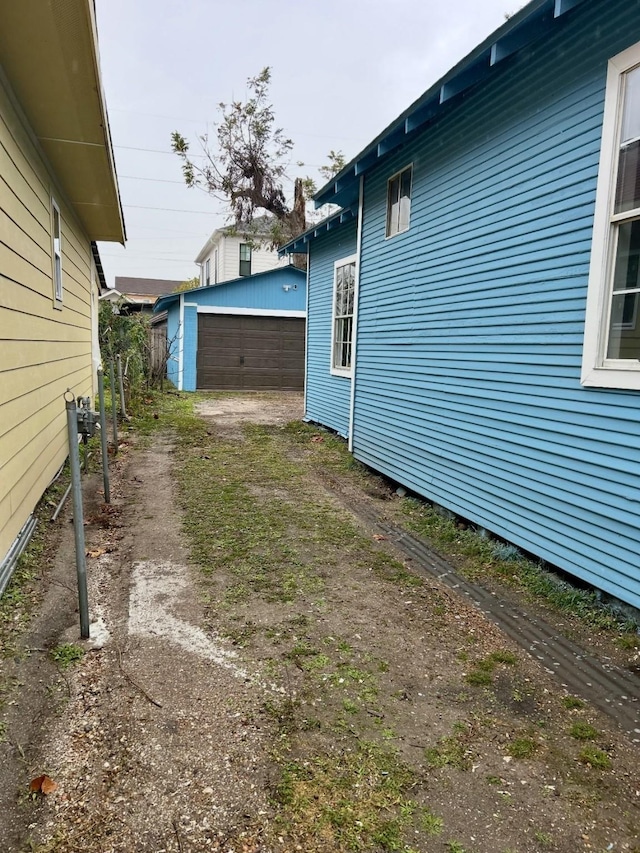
{"x":200,"y":121}
{"x":158,"y":180}
{"x":171,"y":209}
{"x":200,"y":156}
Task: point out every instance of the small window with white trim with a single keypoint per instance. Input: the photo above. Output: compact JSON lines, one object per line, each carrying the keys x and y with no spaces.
{"x":612,"y":328}
{"x":344,"y":288}
{"x":207,"y":273}
{"x":245,"y":259}
{"x":56,"y":253}
{"x":399,"y":202}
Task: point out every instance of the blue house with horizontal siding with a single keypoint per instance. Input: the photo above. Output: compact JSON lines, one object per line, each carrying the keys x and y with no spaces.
{"x":247,"y":334}
{"x":473,"y":322}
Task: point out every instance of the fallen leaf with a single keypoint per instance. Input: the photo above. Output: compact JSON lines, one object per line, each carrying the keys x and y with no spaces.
{"x":379,"y":537}
{"x":96,"y":552}
{"x":48,"y":785}
{"x":43,"y":783}
{"x":317,"y":438}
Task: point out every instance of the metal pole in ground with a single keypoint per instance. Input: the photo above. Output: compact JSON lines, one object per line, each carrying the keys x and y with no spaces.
{"x":103,"y":438}
{"x":123,"y":410}
{"x":78,"y":519}
{"x":114,"y":414}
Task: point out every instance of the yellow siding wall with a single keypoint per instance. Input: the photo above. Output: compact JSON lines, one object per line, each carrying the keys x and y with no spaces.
{"x":43,"y":349}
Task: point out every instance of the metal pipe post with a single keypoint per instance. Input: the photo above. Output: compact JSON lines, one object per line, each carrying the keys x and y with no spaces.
{"x":114,"y":414}
{"x":78,"y":519}
{"x":103,"y":438}
{"x":123,"y":410}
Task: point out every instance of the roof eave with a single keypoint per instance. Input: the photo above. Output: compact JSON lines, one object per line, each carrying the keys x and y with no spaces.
{"x":51,"y":62}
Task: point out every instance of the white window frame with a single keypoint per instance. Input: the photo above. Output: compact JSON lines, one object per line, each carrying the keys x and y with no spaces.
{"x":56,"y":254}
{"x":390,"y":234}
{"x":207,"y":273}
{"x":343,"y":262}
{"x":597,"y":369}
{"x":242,"y":260}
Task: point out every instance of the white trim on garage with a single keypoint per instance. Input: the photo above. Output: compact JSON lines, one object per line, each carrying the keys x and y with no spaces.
{"x":255,"y":312}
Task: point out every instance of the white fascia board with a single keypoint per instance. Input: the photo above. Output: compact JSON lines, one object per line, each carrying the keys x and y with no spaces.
{"x":205,"y":251}
{"x":249,"y":312}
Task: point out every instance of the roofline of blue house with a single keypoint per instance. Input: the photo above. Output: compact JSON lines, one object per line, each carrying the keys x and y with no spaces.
{"x":300,"y":244}
{"x":532,"y":23}
{"x":163,"y":302}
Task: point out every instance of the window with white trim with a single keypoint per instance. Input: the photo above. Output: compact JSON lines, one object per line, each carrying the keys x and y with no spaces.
{"x":399,"y":201}
{"x":612,"y":330}
{"x":344,"y":288}
{"x":245,"y":259}
{"x":56,"y":253}
{"x":207,"y":273}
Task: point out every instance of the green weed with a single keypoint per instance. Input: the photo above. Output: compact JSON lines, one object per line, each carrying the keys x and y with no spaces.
{"x":66,"y":654}
{"x":572,"y":703}
{"x":479,"y":678}
{"x":596,"y":758}
{"x":583,"y":731}
{"x":431,"y":823}
{"x":522,"y":747}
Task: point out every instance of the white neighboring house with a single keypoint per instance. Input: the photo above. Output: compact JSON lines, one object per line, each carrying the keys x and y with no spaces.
{"x":231,"y":253}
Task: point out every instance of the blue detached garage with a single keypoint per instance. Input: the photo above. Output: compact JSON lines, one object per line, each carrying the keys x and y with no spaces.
{"x":243,"y":335}
{"x":473,"y":320}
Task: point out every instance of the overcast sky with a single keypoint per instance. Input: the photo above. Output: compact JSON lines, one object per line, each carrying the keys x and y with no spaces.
{"x":342,"y":70}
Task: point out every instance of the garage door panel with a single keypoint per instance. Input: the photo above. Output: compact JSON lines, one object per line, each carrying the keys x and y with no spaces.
{"x":242,"y":352}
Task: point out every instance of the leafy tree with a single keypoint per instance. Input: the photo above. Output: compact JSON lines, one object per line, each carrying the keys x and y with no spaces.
{"x":246,"y":165}
{"x":189,"y":284}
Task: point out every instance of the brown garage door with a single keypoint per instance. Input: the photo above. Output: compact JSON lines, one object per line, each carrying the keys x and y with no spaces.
{"x":243,"y":353}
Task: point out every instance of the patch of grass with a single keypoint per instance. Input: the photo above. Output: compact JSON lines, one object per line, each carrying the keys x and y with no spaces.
{"x":431,"y":823}
{"x":504,"y":656}
{"x":629,"y":641}
{"x":449,"y":752}
{"x":455,"y":847}
{"x":476,"y":554}
{"x":481,"y":674}
{"x":572,"y":703}
{"x":22,"y":594}
{"x":522,"y":747}
{"x":355,"y":800}
{"x":66,"y":654}
{"x":583,"y":731}
{"x":596,"y":758}
{"x":544,"y":838}
{"x":479,"y":678}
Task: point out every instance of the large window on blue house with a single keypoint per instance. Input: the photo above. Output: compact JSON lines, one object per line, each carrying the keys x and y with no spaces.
{"x":612,"y":329}
{"x":344,"y":289}
{"x":399,"y":201}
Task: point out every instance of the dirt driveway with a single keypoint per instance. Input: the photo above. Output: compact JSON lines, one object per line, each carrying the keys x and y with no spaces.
{"x":273,"y":676}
